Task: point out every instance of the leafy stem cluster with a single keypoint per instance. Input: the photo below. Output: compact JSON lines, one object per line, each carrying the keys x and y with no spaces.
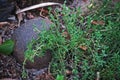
{"x":79,"y":48}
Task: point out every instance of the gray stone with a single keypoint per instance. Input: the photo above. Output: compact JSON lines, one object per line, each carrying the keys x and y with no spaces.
{"x":23,"y":35}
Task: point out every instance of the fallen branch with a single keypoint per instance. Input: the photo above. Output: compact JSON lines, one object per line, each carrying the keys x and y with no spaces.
{"x":37,"y":6}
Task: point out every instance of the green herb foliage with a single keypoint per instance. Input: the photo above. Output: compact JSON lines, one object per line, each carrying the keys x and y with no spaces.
{"x":82,"y":47}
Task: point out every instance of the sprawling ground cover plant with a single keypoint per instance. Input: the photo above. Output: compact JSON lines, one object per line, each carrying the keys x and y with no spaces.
{"x":82,"y":47}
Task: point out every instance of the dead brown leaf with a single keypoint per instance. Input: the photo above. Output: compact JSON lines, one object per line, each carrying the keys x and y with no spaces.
{"x":68,"y":72}
{"x":45,"y":76}
{"x":66,"y":35}
{"x":83,"y":47}
{"x":95,"y":22}
{"x":1,"y":40}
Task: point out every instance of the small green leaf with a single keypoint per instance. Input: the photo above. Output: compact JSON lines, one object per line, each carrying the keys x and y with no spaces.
{"x":7,"y":47}
{"x":60,"y":77}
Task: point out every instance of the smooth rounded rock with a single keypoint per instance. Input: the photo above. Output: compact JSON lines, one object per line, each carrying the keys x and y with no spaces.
{"x":23,"y":35}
